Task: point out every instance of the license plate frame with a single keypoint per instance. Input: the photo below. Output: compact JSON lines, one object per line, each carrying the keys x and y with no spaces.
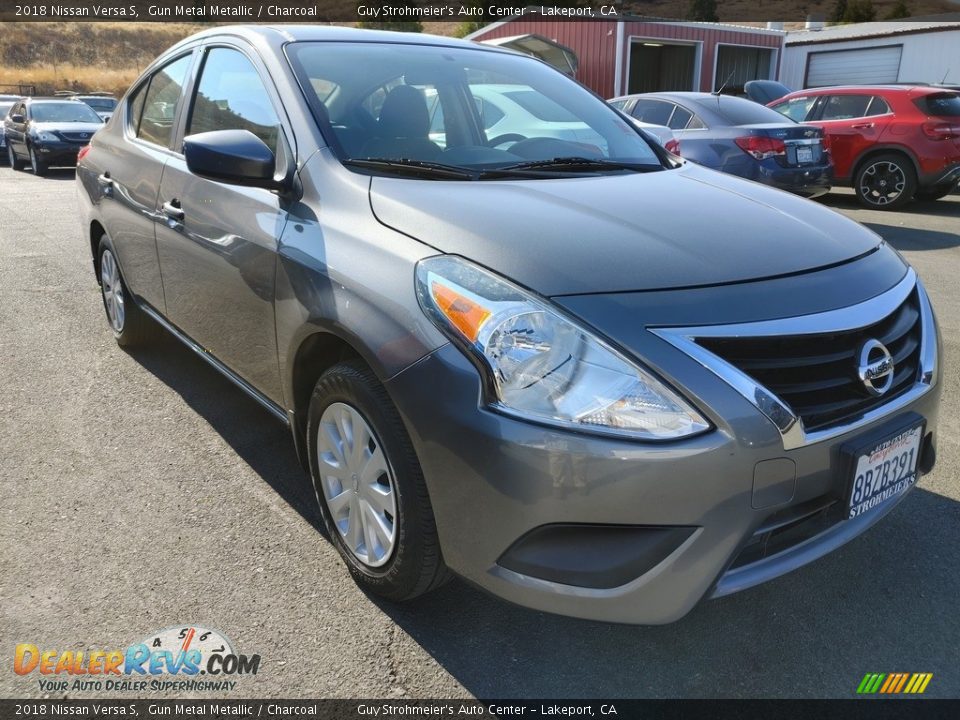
{"x":910,"y":432}
{"x":804,"y":154}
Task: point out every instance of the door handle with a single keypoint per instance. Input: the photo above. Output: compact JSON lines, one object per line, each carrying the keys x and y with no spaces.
{"x":106,"y":183}
{"x":862,"y":126}
{"x":173,"y":210}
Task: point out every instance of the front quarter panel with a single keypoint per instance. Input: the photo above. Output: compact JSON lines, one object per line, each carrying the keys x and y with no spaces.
{"x":344,"y":273}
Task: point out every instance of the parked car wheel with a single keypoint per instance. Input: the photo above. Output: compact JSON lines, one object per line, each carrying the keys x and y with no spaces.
{"x":15,"y":162}
{"x":131,"y":326}
{"x":370,"y":487}
{"x":885,"y":182}
{"x":36,"y":164}
{"x":936,"y":192}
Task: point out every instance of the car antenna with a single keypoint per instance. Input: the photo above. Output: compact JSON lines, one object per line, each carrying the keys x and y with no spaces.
{"x":725,"y":83}
{"x":944,"y":79}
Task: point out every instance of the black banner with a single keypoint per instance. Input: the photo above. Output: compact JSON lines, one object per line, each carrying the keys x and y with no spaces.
{"x":373,"y":11}
{"x":861,"y":709}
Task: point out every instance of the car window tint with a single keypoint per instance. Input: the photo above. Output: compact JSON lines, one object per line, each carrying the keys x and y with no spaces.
{"x":656,"y":112}
{"x":877,"y":106}
{"x":135,"y":108}
{"x":796,"y":109}
{"x":696,"y":124}
{"x":619,"y":104}
{"x":490,"y":114}
{"x":940,"y":105}
{"x":738,"y":111}
{"x":845,"y":107}
{"x":66,"y":112}
{"x":679,"y":119}
{"x":160,"y":102}
{"x":231,"y":96}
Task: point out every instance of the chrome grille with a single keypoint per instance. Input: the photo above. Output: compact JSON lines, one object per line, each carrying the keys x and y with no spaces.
{"x":816,"y":375}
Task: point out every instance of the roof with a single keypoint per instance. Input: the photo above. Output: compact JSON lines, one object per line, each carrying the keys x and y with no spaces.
{"x":859,"y":31}
{"x":480,"y":33}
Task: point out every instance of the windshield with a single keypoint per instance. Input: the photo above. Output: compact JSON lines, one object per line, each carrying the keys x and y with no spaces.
{"x":63,"y":112}
{"x":103,"y":104}
{"x":475,"y":110}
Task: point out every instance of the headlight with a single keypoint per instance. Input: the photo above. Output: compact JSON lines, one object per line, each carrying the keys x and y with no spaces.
{"x":46,"y":137}
{"x":541,"y":365}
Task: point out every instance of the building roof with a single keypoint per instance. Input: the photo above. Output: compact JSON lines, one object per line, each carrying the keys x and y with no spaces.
{"x":860,"y":31}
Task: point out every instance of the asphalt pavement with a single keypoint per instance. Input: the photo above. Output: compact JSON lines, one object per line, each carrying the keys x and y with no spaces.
{"x":142,"y":491}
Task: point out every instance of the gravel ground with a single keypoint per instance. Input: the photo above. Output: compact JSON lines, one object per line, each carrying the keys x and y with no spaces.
{"x":142,"y":491}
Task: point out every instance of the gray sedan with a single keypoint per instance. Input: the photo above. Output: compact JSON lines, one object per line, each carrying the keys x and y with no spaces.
{"x":585,"y":375}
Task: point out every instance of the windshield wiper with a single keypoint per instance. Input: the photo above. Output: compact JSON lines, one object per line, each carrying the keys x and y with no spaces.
{"x":413,"y":168}
{"x":579,"y":164}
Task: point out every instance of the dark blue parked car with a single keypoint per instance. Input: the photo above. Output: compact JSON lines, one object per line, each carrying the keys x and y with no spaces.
{"x":739,"y":137}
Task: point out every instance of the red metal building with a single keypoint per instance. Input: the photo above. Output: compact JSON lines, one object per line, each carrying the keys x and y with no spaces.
{"x":618,"y":57}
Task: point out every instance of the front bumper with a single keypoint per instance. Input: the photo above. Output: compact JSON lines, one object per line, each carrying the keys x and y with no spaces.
{"x":494,"y":479}
{"x":58,"y":153}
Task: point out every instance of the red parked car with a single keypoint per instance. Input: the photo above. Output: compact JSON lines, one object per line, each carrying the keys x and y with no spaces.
{"x":892,"y":143}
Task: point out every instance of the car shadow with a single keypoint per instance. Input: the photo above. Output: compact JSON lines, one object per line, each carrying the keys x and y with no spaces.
{"x":914,"y":239}
{"x":254,"y":434}
{"x":59,"y":174}
{"x":946,"y":207}
{"x":884,"y":601}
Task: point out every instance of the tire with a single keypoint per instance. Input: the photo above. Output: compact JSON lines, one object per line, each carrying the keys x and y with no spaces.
{"x":413,"y":564}
{"x":885,"y":182}
{"x":38,"y":166}
{"x":130,"y":325}
{"x":15,"y":162}
{"x":936,"y":192}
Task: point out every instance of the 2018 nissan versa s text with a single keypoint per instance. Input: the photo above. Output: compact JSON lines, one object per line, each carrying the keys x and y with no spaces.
{"x":588,"y":377}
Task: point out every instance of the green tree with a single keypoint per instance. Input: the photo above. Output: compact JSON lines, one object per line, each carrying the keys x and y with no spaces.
{"x":860,"y":11}
{"x":703,"y":10}
{"x":397,"y":26}
{"x":898,"y":11}
{"x":839,"y":10}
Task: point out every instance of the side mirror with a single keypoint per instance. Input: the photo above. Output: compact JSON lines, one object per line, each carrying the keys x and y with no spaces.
{"x":237,"y":157}
{"x":18,"y":118}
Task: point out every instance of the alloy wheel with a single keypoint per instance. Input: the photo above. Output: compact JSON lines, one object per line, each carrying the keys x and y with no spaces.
{"x":358,"y":484}
{"x":112,"y":287}
{"x":882,"y":182}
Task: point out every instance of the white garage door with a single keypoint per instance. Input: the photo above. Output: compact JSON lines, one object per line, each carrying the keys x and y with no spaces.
{"x":867,"y":66}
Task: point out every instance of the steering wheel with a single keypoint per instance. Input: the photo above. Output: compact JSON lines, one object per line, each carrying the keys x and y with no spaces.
{"x":505,"y":138}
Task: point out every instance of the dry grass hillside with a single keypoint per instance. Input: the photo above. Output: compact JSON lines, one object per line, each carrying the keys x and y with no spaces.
{"x":108,"y":56}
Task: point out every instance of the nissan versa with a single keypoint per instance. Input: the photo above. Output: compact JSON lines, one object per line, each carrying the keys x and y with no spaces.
{"x":584,"y":375}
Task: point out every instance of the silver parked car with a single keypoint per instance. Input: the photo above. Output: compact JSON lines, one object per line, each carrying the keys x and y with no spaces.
{"x":589,"y":377}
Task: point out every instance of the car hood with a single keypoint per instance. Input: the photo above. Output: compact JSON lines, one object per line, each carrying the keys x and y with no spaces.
{"x":643,"y":231}
{"x":68,"y":127}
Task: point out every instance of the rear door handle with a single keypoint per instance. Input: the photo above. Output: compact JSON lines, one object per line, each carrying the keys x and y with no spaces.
{"x":106,"y":183}
{"x":173,"y":210}
{"x":862,"y":126}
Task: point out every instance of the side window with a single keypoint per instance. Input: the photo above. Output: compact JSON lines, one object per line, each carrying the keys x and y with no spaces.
{"x":878,"y":106}
{"x":656,"y":112}
{"x":796,"y":109}
{"x":231,"y":96}
{"x":696,"y":124}
{"x":135,"y":107}
{"x":845,"y":107}
{"x":679,"y":119}
{"x":160,"y":102}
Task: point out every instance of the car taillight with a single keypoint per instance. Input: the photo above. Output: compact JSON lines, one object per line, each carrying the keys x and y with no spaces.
{"x":761,"y":147}
{"x":673,"y":146}
{"x":936,"y":130}
{"x":83,"y":152}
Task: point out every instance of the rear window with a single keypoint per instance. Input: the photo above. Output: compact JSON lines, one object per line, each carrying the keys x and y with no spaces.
{"x":738,"y":111}
{"x":941,"y":104}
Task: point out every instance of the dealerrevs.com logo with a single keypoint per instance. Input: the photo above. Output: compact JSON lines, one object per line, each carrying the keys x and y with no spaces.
{"x":183,"y":659}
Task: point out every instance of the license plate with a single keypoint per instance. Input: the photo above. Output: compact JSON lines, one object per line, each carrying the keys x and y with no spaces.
{"x":804,"y":154}
{"x":884,"y":470}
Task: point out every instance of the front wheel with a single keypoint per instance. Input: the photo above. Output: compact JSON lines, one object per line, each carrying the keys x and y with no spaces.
{"x":15,"y":162}
{"x":885,"y":182}
{"x":370,"y":486}
{"x":130,"y":325}
{"x":36,"y":164}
